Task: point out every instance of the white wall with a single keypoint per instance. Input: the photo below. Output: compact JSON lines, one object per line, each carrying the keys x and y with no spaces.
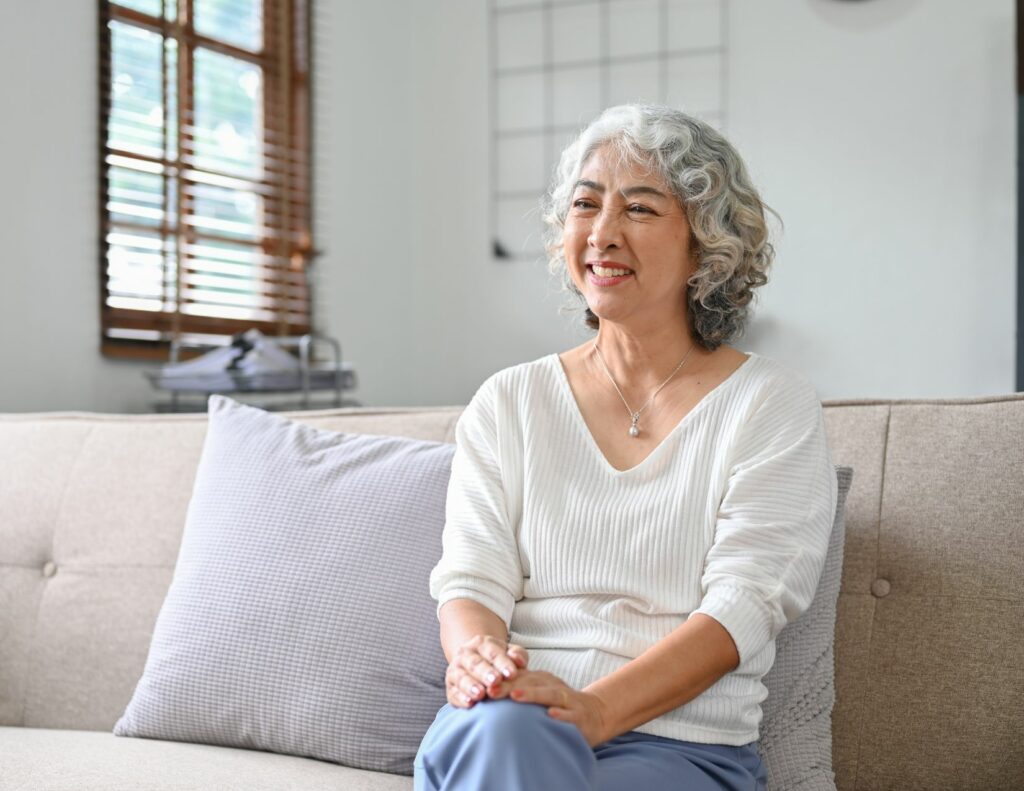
{"x":885,"y":135}
{"x":49,"y":286}
{"x":367,"y":193}
{"x":883,"y":132}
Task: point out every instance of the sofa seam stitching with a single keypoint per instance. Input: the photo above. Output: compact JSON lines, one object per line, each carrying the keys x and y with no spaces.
{"x":874,"y":600}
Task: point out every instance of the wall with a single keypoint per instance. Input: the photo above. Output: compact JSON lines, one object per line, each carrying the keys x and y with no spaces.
{"x":883,"y":133}
{"x":368,"y":194}
{"x":49,"y":300}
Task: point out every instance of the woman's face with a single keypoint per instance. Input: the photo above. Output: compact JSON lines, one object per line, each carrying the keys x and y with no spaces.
{"x":626,"y":242}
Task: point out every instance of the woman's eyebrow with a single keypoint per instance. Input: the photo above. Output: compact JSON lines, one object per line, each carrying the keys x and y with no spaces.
{"x":642,"y":190}
{"x":626,"y":193}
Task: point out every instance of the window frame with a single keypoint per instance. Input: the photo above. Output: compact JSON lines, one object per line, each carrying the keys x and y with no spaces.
{"x":286,"y":62}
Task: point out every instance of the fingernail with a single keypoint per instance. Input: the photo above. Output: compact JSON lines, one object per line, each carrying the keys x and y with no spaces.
{"x":491,"y":678}
{"x":506,"y":672}
{"x":475,"y":690}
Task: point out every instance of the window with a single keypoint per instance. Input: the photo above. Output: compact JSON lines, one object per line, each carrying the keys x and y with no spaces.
{"x":205,"y":209}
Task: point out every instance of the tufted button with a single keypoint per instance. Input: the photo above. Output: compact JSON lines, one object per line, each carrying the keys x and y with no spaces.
{"x":880,"y":588}
{"x":49,"y":568}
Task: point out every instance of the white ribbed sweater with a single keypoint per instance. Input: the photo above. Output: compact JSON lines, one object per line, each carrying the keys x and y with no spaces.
{"x":589,"y":566}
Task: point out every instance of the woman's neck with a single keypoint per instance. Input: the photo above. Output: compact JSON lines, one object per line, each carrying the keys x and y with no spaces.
{"x":642,"y":362}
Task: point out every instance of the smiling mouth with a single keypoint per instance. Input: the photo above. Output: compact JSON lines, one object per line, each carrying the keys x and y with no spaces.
{"x":609,"y":271}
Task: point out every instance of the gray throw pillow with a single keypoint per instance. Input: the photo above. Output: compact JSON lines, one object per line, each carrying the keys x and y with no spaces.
{"x":796,"y":731}
{"x":299,"y":618}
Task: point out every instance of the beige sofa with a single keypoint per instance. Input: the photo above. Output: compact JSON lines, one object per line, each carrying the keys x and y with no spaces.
{"x":930,"y":645}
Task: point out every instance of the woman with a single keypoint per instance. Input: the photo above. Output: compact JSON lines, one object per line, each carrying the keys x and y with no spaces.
{"x":632,"y":522}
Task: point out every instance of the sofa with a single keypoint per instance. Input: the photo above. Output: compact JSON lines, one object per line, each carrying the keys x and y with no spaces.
{"x":929,"y":649}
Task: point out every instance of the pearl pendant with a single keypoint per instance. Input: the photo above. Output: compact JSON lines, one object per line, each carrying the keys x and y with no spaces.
{"x":634,"y":431}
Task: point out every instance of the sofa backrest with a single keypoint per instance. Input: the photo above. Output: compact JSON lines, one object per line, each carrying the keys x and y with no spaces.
{"x":929,"y":690}
{"x":929,"y":685}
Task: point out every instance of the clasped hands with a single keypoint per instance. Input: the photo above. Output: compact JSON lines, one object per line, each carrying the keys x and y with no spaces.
{"x":485,"y":666}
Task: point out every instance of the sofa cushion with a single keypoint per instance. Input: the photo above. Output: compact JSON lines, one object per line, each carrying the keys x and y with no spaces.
{"x":298,"y":620}
{"x":929,"y":687}
{"x":42,"y":759}
{"x":796,"y":731}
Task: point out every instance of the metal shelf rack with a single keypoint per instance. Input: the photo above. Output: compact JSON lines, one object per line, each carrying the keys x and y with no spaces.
{"x":308,"y":378}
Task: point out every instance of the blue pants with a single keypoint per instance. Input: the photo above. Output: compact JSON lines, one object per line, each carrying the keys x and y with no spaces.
{"x":511,"y":746}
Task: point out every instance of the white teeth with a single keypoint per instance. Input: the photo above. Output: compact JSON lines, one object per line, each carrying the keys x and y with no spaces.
{"x":601,"y":271}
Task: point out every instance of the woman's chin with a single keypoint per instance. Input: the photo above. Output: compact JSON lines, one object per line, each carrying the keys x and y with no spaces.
{"x":609,"y":313}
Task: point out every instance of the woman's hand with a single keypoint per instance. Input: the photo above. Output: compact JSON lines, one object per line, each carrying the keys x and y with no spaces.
{"x":480,"y":666}
{"x":585,"y":710}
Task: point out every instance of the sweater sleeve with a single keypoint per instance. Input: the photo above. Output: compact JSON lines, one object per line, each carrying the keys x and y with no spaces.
{"x":480,"y":556}
{"x":775,"y":518}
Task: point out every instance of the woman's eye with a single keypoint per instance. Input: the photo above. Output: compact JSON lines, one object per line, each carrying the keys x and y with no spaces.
{"x":638,"y":209}
{"x":582,"y":203}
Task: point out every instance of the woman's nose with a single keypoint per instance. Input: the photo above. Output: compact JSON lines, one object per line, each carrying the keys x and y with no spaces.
{"x":605,"y":232}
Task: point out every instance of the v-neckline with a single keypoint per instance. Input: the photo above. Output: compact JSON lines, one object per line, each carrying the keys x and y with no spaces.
{"x":566,"y":389}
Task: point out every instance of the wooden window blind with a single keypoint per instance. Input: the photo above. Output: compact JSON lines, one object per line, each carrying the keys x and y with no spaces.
{"x":206,"y":207}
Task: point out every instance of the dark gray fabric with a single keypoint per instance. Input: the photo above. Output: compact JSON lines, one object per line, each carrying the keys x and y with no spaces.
{"x":299,"y":619}
{"x":796,"y":731}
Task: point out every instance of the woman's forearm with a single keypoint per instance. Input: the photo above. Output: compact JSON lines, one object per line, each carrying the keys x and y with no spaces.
{"x":464,"y":618}
{"x":670,"y":673}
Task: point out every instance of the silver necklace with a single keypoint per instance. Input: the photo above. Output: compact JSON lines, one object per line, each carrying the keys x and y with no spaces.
{"x":634,"y":428}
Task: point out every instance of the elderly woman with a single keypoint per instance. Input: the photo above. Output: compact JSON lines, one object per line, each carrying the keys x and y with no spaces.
{"x":630,"y":523}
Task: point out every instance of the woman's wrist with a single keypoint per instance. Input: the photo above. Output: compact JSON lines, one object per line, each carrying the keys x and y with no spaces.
{"x":463,"y":619}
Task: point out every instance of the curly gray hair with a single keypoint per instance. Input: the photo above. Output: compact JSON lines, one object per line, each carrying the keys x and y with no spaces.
{"x":725,"y":212}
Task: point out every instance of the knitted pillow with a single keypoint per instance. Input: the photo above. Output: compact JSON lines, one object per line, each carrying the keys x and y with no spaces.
{"x":796,"y":731}
{"x":299,"y":619}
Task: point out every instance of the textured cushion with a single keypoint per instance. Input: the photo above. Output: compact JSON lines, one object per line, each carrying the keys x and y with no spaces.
{"x":796,"y":732}
{"x":298,"y":619}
